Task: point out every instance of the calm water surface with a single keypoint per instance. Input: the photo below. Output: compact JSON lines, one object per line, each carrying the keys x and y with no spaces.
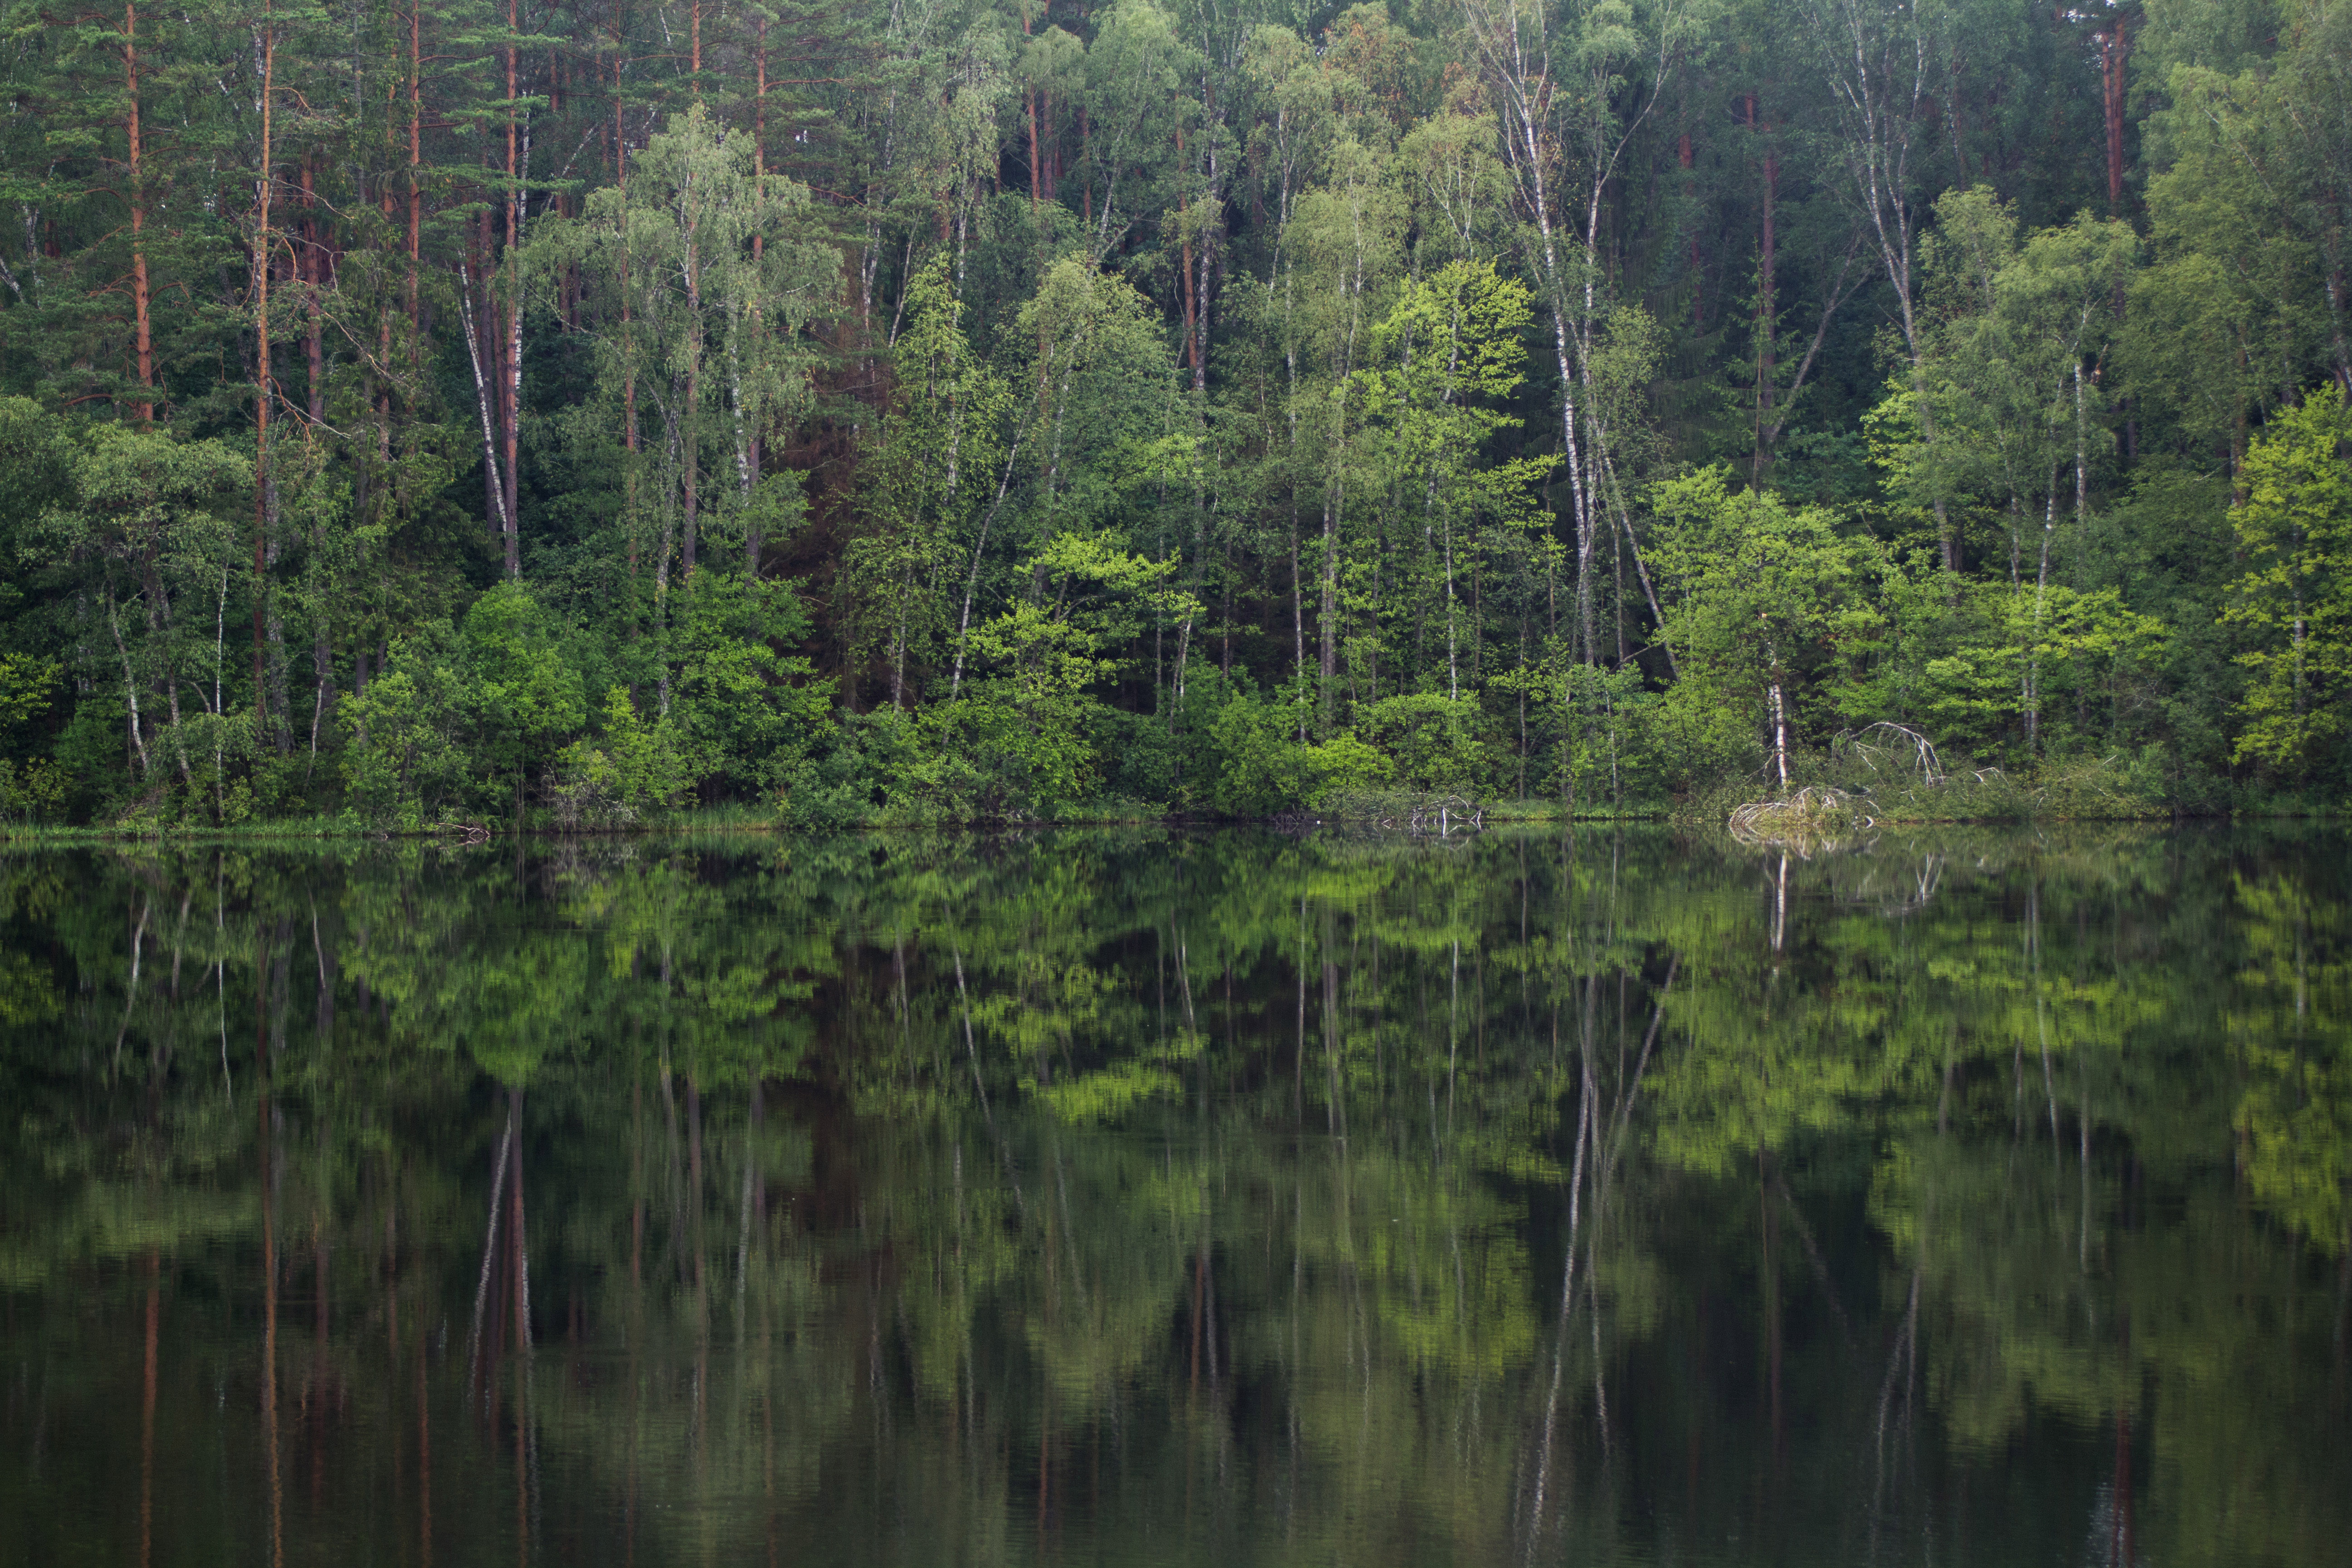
{"x":1152,"y":1198}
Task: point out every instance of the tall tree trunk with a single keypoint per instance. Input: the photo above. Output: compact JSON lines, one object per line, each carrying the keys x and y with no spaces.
{"x":2115,"y":47}
{"x":752,"y":537}
{"x":691,"y":443}
{"x":484,"y":356}
{"x":1767,"y":313}
{"x":308,"y":262}
{"x":143,"y":331}
{"x":1029,"y":103}
{"x":628,"y":339}
{"x":415,"y":182}
{"x":131,"y":682}
{"x":313,"y":256}
{"x":510,"y":384}
{"x":265,"y":43}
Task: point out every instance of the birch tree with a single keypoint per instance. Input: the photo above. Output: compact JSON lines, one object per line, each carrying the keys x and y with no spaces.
{"x":721,"y":276}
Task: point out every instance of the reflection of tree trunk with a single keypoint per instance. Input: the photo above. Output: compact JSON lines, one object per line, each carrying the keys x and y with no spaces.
{"x":269,"y":1262}
{"x":517,"y":1242}
{"x":2343,"y":1310}
{"x":317,"y":1393}
{"x":147,"y":1420}
{"x":1200,"y":1280}
{"x":517,"y":1284}
{"x":490,"y":1245}
{"x":2125,"y":1553}
{"x":750,"y":1182}
{"x":1298,"y":1050}
{"x":1898,"y":1360}
{"x":636,"y":1184}
{"x":1567,"y":1297}
{"x":1772,"y":1311}
{"x":1814,"y":1256}
{"x":694,"y":1176}
{"x":424,"y":1463}
{"x":1333,"y":1110}
{"x":1780,"y":906}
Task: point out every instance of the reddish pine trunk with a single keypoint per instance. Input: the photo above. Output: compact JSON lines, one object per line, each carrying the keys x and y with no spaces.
{"x":511,"y":382}
{"x":2114,"y":47}
{"x":141,"y":329}
{"x":309,"y":263}
{"x":1767,"y":313}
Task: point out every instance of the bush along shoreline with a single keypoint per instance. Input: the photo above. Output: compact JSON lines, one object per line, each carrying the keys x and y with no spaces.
{"x":1837,"y":796}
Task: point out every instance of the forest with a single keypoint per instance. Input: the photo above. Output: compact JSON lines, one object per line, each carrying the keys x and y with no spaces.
{"x":1019,"y":410}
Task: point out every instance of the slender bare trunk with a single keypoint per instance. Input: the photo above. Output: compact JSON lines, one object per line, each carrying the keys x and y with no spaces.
{"x":485,"y":396}
{"x":510,"y":389}
{"x":130,"y":682}
{"x":1780,"y":724}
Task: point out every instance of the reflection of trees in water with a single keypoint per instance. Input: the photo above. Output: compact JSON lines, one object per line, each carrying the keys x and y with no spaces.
{"x":1298,"y":1196}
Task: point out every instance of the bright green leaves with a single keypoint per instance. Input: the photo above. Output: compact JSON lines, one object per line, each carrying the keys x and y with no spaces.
{"x":460,"y":717}
{"x":408,"y":762}
{"x":717,"y":269}
{"x":1759,"y":594}
{"x":484,"y":717}
{"x":1973,"y":695}
{"x":524,"y":689}
{"x":1027,"y":728}
{"x":1263,"y":766}
{"x":2015,"y":328}
{"x":27,"y":686}
{"x":142,"y":528}
{"x":632,"y":767}
{"x":2245,"y":300}
{"x":932,"y":465}
{"x":2294,"y":533}
{"x":1447,"y":351}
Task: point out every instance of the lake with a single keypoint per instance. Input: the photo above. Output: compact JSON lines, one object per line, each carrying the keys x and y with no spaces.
{"x":1153,"y":1197}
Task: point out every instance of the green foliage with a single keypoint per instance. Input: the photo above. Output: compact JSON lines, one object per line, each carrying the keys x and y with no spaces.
{"x":1264,"y":766}
{"x":1760,"y":597}
{"x":2059,"y":1118}
{"x":2294,"y":533}
{"x":407,"y":763}
{"x":1049,"y":378}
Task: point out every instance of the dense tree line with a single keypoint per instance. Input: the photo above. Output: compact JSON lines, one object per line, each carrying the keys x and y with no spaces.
{"x":946,"y":409}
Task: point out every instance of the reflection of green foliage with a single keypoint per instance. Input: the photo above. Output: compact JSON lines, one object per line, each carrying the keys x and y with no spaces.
{"x":1033,"y":1143}
{"x":2294,"y":1113}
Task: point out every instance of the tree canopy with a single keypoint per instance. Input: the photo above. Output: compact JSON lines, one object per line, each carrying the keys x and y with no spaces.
{"x":953,"y":409}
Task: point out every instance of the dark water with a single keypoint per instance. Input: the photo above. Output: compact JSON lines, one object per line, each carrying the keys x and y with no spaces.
{"x":1158,"y":1199}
